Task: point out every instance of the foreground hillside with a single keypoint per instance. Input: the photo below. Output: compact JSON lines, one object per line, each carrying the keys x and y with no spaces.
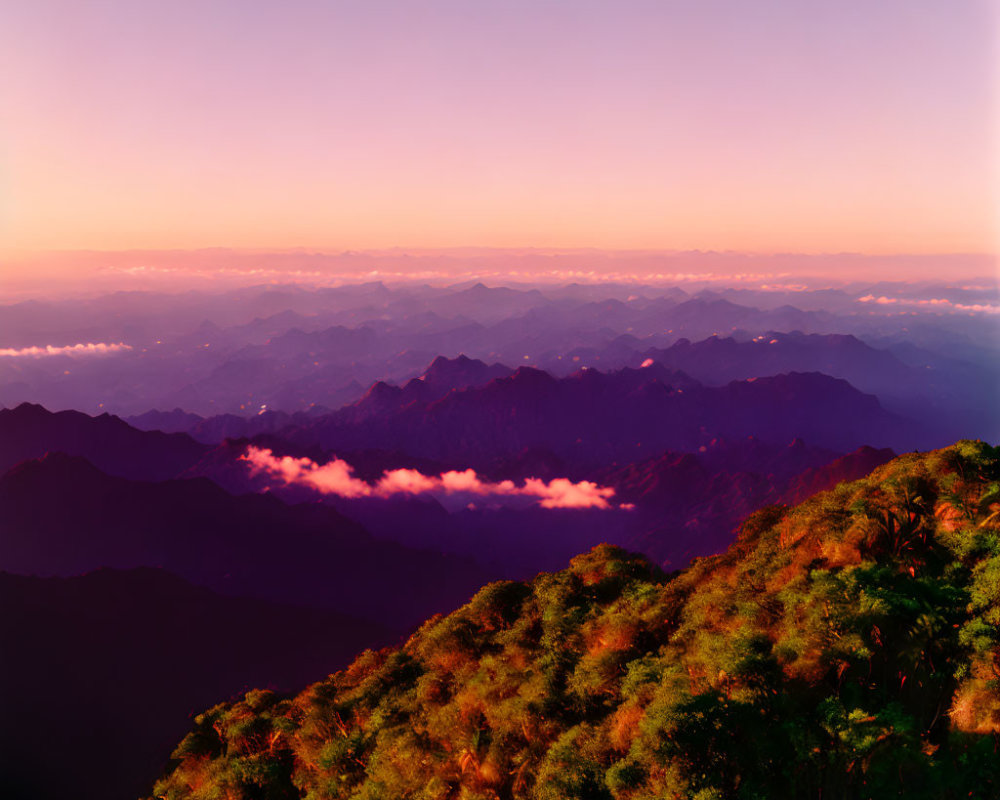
{"x":849,"y":647}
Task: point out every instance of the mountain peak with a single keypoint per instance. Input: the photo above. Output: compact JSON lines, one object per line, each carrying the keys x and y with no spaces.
{"x":28,"y":410}
{"x":445,"y":374}
{"x":55,"y":465}
{"x":531,"y":375}
{"x":444,"y":365}
{"x":382,"y":391}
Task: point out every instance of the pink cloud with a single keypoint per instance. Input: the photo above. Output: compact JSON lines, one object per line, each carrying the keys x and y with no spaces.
{"x":563,"y":493}
{"x":408,"y":481}
{"x":334,"y":477}
{"x":465,"y":481}
{"x":337,"y":477}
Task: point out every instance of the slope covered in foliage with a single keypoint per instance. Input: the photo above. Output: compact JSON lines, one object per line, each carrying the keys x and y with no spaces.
{"x":848,"y":647}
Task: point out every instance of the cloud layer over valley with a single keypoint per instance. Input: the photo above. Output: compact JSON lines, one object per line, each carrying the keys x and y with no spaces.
{"x":81,"y":349}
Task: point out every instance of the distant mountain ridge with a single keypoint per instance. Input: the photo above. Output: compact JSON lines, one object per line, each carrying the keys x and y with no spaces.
{"x":596,"y":418}
{"x":287,"y":348}
{"x":442,"y":376}
{"x":721,"y":359}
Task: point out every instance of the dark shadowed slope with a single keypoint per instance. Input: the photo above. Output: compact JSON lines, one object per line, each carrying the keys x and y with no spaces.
{"x":849,"y":467}
{"x":109,"y":667}
{"x":690,"y":504}
{"x":176,"y":421}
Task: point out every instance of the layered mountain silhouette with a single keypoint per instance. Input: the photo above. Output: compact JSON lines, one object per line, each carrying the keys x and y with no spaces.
{"x":511,"y":428}
{"x":160,"y":575}
{"x":253,"y":545}
{"x":441,"y":377}
{"x":30,"y":431}
{"x":719,"y":360}
{"x":289,"y":349}
{"x":921,"y":385}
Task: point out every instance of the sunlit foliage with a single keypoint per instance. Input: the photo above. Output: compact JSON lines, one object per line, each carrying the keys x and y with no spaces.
{"x":848,"y":648}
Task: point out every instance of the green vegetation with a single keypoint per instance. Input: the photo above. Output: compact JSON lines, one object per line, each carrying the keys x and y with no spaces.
{"x":846,"y":648}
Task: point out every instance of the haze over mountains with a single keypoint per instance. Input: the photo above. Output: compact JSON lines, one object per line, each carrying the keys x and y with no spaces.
{"x":343,"y":463}
{"x":291,"y":349}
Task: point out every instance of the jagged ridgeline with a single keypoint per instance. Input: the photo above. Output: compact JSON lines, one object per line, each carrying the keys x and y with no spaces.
{"x":845,"y":648}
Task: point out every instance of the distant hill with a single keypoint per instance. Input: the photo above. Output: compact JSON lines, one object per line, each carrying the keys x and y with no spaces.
{"x":844,"y":648}
{"x":442,"y":376}
{"x":721,"y":359}
{"x":30,"y":431}
{"x":251,"y":545}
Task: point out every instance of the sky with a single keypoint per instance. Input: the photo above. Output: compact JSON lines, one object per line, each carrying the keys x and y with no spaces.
{"x":773,"y":126}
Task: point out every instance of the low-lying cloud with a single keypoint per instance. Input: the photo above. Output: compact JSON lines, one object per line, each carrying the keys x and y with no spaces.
{"x":940,"y":303}
{"x":81,"y":349}
{"x":337,"y":477}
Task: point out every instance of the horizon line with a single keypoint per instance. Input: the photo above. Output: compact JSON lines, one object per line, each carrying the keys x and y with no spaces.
{"x":337,"y":250}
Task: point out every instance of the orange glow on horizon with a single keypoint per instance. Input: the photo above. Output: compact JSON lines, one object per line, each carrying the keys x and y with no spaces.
{"x":783,"y":129}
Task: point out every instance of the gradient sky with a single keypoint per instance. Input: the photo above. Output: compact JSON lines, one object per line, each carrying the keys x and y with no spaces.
{"x":766,"y":126}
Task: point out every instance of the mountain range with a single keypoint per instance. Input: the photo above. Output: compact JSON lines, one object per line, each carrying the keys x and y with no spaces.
{"x":290,"y":349}
{"x":594,"y":418}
